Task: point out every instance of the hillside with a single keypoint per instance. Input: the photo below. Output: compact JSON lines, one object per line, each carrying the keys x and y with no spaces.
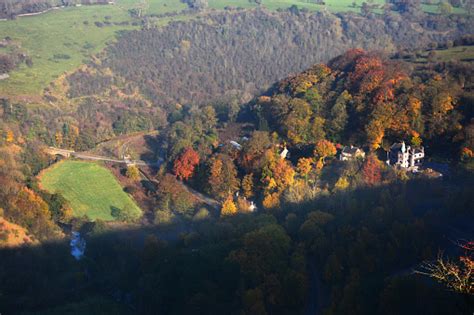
{"x":244,"y":48}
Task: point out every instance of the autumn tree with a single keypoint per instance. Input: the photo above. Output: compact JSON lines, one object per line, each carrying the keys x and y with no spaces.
{"x":264,"y":251}
{"x":133,"y":172}
{"x":32,"y":212}
{"x":296,"y":122}
{"x":416,"y":139}
{"x":342,"y":183}
{"x":457,"y":275}
{"x":253,"y":150}
{"x":372,"y":170}
{"x":247,"y":186}
{"x":173,"y":196}
{"x":339,"y":116}
{"x":277,"y":175}
{"x":442,"y":105}
{"x":228,"y":207}
{"x":304,"y":167}
{"x":317,"y":132}
{"x":10,"y":137}
{"x":185,"y":164}
{"x":222,"y":179}
{"x":324,"y":149}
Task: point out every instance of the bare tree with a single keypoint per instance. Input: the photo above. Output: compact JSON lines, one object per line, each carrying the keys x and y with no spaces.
{"x":457,"y":275}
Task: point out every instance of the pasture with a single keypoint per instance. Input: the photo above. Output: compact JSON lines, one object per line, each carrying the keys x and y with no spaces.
{"x":61,"y":40}
{"x":90,"y":188}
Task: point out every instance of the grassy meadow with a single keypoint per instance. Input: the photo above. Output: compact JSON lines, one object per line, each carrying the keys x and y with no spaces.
{"x":90,"y":188}
{"x":61,"y":40}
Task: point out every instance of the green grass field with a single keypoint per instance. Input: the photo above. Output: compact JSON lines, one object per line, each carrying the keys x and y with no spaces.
{"x":331,"y":5}
{"x":462,"y":53}
{"x":90,"y":188}
{"x":458,"y":53}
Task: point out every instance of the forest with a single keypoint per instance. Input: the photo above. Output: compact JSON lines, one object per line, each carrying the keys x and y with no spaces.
{"x":244,"y":48}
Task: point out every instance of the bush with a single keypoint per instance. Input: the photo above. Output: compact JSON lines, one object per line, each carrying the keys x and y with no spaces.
{"x":201,"y":215}
{"x":163,"y":217}
{"x":126,"y":214}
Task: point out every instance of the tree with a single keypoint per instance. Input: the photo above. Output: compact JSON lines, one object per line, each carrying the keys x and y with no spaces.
{"x":304,"y":166}
{"x":185,"y":164}
{"x":10,"y":136}
{"x":415,"y":139}
{"x":342,"y":183}
{"x":133,"y":172}
{"x":222,"y":179}
{"x":253,"y":150}
{"x":247,"y":186}
{"x":173,"y":196}
{"x":372,"y":171}
{"x":297,"y":121}
{"x":323,"y":149}
{"x":338,"y":116}
{"x":317,"y":129}
{"x":58,"y":138}
{"x":32,"y":212}
{"x":466,"y":154}
{"x":264,"y":252}
{"x":271,"y":200}
{"x":228,"y":207}
{"x":126,"y":214}
{"x":456,"y":275}
{"x":445,"y":8}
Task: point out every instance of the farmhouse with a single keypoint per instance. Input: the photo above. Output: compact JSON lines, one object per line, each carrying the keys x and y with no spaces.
{"x":349,"y":153}
{"x":404,"y":156}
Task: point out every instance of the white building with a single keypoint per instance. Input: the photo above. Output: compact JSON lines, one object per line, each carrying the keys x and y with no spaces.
{"x":405,"y":156}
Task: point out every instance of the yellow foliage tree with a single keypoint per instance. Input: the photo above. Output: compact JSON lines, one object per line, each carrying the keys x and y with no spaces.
{"x":375,"y":133}
{"x":247,"y":185}
{"x":304,"y":166}
{"x":10,"y":136}
{"x":133,"y":172}
{"x":228,"y":207}
{"x":59,"y":138}
{"x":323,"y":149}
{"x":342,"y":183}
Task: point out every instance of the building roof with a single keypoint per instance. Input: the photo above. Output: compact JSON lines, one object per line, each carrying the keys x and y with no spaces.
{"x":350,"y":150}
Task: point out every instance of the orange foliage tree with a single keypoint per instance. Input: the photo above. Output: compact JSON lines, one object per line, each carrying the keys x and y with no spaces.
{"x":185,"y":164}
{"x":277,"y":175}
{"x":223,"y":179}
{"x":372,"y":171}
